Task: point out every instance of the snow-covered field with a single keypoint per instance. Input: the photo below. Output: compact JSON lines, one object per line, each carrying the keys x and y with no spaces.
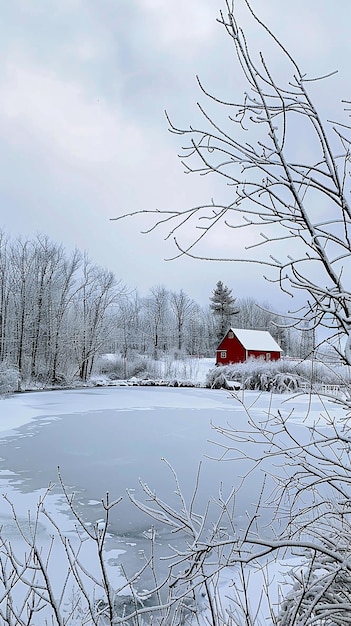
{"x":105,"y":439}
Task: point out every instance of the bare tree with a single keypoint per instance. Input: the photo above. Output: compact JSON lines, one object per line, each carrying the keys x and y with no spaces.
{"x":62,"y":300}
{"x":298,"y":208}
{"x":47,"y":258}
{"x":99,"y":291}
{"x":4,"y":295}
{"x":252,"y":314}
{"x":33,"y":592}
{"x":200,"y":331}
{"x":157,"y":304}
{"x":183,"y":308}
{"x":128,"y":336}
{"x":22,"y":259}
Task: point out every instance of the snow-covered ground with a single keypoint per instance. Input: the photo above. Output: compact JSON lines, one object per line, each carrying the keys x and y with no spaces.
{"x":105,"y":439}
{"x":187,"y":371}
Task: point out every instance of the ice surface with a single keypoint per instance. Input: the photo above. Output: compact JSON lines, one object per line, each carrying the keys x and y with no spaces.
{"x":106,"y":438}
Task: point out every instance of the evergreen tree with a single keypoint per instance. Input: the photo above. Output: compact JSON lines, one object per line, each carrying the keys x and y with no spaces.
{"x":222,"y":307}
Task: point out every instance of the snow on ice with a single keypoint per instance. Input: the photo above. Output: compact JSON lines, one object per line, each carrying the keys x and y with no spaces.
{"x":146,"y":425}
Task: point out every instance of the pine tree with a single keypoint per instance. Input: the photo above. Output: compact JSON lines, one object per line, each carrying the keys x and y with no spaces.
{"x":222,"y":306}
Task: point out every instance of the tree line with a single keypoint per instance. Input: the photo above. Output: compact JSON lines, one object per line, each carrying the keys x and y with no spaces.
{"x":53,"y":308}
{"x":59,"y":311}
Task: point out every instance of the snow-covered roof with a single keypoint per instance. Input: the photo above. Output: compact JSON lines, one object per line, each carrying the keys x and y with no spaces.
{"x":256,"y":340}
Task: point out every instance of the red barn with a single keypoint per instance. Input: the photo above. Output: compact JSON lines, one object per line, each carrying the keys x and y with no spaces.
{"x":240,"y":344}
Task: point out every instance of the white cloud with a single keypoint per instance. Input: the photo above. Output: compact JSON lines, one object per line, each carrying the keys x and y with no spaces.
{"x":60,"y":115}
{"x":81,"y":100}
{"x":181,"y":24}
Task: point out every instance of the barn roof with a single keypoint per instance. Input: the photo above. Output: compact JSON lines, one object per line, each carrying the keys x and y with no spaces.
{"x":256,"y":340}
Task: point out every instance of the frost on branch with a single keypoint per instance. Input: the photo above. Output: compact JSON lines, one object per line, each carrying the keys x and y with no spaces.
{"x":9,"y":378}
{"x":282,"y":376}
{"x":293,"y":203}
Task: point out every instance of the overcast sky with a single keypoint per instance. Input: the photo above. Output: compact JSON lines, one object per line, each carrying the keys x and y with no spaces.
{"x":83,"y":89}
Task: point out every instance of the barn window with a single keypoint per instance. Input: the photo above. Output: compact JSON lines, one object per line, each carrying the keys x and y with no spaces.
{"x":223,"y":354}
{"x":230,"y":335}
{"x":268,"y":356}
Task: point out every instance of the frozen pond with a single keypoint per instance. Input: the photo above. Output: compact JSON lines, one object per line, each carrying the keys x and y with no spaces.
{"x":106,"y":439}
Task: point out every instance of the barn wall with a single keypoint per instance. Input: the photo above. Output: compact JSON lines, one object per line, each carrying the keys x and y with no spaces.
{"x":257,"y":354}
{"x":235,"y":351}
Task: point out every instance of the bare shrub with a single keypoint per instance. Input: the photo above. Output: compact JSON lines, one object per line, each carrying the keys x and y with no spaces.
{"x":300,"y":524}
{"x":62,"y":578}
{"x":117,"y":368}
{"x":9,"y":378}
{"x":282,"y":376}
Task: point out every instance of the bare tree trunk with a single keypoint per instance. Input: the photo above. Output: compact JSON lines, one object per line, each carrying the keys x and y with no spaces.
{"x":98,"y":293}
{"x":21,"y":260}
{"x":67,"y":291}
{"x":4,"y":295}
